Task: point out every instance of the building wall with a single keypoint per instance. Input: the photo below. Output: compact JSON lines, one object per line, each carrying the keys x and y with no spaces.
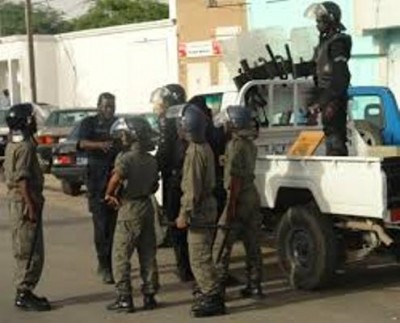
{"x":198,"y":26}
{"x":73,"y":69}
{"x":129,"y":61}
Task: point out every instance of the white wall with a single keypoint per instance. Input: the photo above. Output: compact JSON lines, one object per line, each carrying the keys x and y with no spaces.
{"x":129,"y":61}
{"x":73,"y":69}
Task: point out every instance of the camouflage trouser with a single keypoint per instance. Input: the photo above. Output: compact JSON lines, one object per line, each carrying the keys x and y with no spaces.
{"x":23,"y":233}
{"x":135,"y":229}
{"x":200,"y":253}
{"x":246,"y":226}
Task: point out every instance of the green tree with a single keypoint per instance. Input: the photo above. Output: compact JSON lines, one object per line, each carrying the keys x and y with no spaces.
{"x":105,"y":13}
{"x":45,"y":20}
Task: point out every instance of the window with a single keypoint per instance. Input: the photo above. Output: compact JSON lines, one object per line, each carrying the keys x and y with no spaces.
{"x":367,"y":108}
{"x":67,"y":118}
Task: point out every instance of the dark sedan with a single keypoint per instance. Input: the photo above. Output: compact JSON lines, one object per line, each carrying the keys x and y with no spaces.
{"x":56,"y":128}
{"x":69,"y":164}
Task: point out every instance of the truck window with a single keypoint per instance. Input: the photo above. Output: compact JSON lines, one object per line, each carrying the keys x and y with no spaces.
{"x":367,"y":108}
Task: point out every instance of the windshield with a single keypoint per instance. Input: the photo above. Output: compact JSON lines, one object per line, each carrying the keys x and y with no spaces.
{"x":67,"y":118}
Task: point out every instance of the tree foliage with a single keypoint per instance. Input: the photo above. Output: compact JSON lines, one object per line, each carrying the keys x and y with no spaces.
{"x":105,"y":13}
{"x":45,"y":20}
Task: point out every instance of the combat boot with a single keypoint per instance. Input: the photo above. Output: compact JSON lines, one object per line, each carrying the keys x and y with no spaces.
{"x":209,"y":305}
{"x":253,"y":291}
{"x":149,"y":302}
{"x":123,"y":304}
{"x":27,"y":301}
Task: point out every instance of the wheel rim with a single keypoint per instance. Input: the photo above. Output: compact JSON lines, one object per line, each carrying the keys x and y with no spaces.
{"x":301,"y":249}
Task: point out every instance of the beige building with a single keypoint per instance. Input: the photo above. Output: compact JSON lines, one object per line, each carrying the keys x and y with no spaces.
{"x":201,"y":24}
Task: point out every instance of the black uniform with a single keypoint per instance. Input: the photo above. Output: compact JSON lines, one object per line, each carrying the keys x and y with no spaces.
{"x":170,"y":156}
{"x":98,"y":171}
{"x":333,"y":79}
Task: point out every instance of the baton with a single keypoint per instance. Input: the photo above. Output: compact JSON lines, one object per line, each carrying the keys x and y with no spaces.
{"x":199,"y":225}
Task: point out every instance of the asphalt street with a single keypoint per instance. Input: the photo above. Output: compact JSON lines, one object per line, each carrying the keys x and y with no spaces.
{"x":365,"y":295}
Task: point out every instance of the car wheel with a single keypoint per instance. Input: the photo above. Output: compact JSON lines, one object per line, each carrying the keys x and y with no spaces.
{"x":71,"y":188}
{"x":307,"y":247}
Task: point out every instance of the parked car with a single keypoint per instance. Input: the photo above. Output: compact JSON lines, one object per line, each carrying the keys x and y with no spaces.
{"x":56,"y":128}
{"x":69,"y":163}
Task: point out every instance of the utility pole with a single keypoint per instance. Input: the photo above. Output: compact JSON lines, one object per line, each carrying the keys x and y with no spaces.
{"x":31,"y":49}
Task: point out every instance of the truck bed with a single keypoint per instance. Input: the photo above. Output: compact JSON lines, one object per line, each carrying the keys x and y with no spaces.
{"x":355,"y":186}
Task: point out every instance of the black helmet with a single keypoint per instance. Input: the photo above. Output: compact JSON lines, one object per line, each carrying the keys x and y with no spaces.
{"x":194,"y":122}
{"x":21,"y":117}
{"x":170,"y":94}
{"x":326,"y":9}
{"x":136,"y":128}
{"x":237,"y":115}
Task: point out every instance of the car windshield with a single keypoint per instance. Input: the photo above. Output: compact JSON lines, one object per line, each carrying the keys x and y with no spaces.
{"x":3,"y":114}
{"x":67,"y":118}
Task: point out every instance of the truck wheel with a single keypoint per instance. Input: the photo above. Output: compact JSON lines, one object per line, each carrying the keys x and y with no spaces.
{"x":369,"y":132}
{"x":70,"y":188}
{"x":307,"y":247}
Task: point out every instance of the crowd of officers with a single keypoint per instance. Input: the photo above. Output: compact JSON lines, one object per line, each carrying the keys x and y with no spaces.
{"x":206,"y":165}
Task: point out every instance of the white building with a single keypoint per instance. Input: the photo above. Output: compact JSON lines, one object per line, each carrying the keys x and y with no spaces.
{"x":73,"y":68}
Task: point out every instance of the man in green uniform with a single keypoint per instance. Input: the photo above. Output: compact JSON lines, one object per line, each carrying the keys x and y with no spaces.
{"x":199,"y":209}
{"x":24,"y":180}
{"x":243,"y":203}
{"x":135,"y":177}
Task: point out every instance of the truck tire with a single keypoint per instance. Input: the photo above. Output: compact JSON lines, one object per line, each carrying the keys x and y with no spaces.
{"x":70,"y":188}
{"x":370,"y":133}
{"x":307,"y":247}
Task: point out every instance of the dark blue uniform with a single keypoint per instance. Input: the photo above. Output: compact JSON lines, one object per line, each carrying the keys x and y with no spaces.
{"x":99,"y":169}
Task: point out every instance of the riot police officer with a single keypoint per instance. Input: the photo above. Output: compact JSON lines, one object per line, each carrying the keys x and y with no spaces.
{"x":199,"y":211}
{"x":95,"y":139}
{"x":332,"y":74}
{"x":136,"y":174}
{"x":170,"y":156}
{"x":25,"y":181}
{"x":242,"y":211}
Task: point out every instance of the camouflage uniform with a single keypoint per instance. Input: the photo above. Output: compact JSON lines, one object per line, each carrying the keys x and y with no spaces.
{"x":21,"y":163}
{"x":198,"y":202}
{"x":135,"y":222}
{"x":240,"y":158}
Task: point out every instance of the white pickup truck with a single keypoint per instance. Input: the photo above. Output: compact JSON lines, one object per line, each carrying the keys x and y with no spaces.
{"x":325,"y":211}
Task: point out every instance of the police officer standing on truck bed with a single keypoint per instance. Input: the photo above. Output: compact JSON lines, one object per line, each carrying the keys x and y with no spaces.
{"x":170,"y":154}
{"x":95,"y":139}
{"x":24,"y":179}
{"x":332,"y":74}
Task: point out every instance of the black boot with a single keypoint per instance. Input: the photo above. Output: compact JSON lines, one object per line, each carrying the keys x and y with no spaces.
{"x":27,"y":301}
{"x":108,"y":277}
{"x":209,"y":305}
{"x":253,"y":291}
{"x":123,"y":304}
{"x":149,"y":302}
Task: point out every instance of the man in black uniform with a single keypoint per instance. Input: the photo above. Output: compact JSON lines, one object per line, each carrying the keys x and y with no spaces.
{"x":170,"y":156}
{"x":332,"y":75}
{"x":95,"y":138}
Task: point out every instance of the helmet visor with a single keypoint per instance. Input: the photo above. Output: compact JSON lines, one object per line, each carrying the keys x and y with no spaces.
{"x":117,"y":127}
{"x":175,"y":111}
{"x":315,"y":11}
{"x":221,"y":118}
